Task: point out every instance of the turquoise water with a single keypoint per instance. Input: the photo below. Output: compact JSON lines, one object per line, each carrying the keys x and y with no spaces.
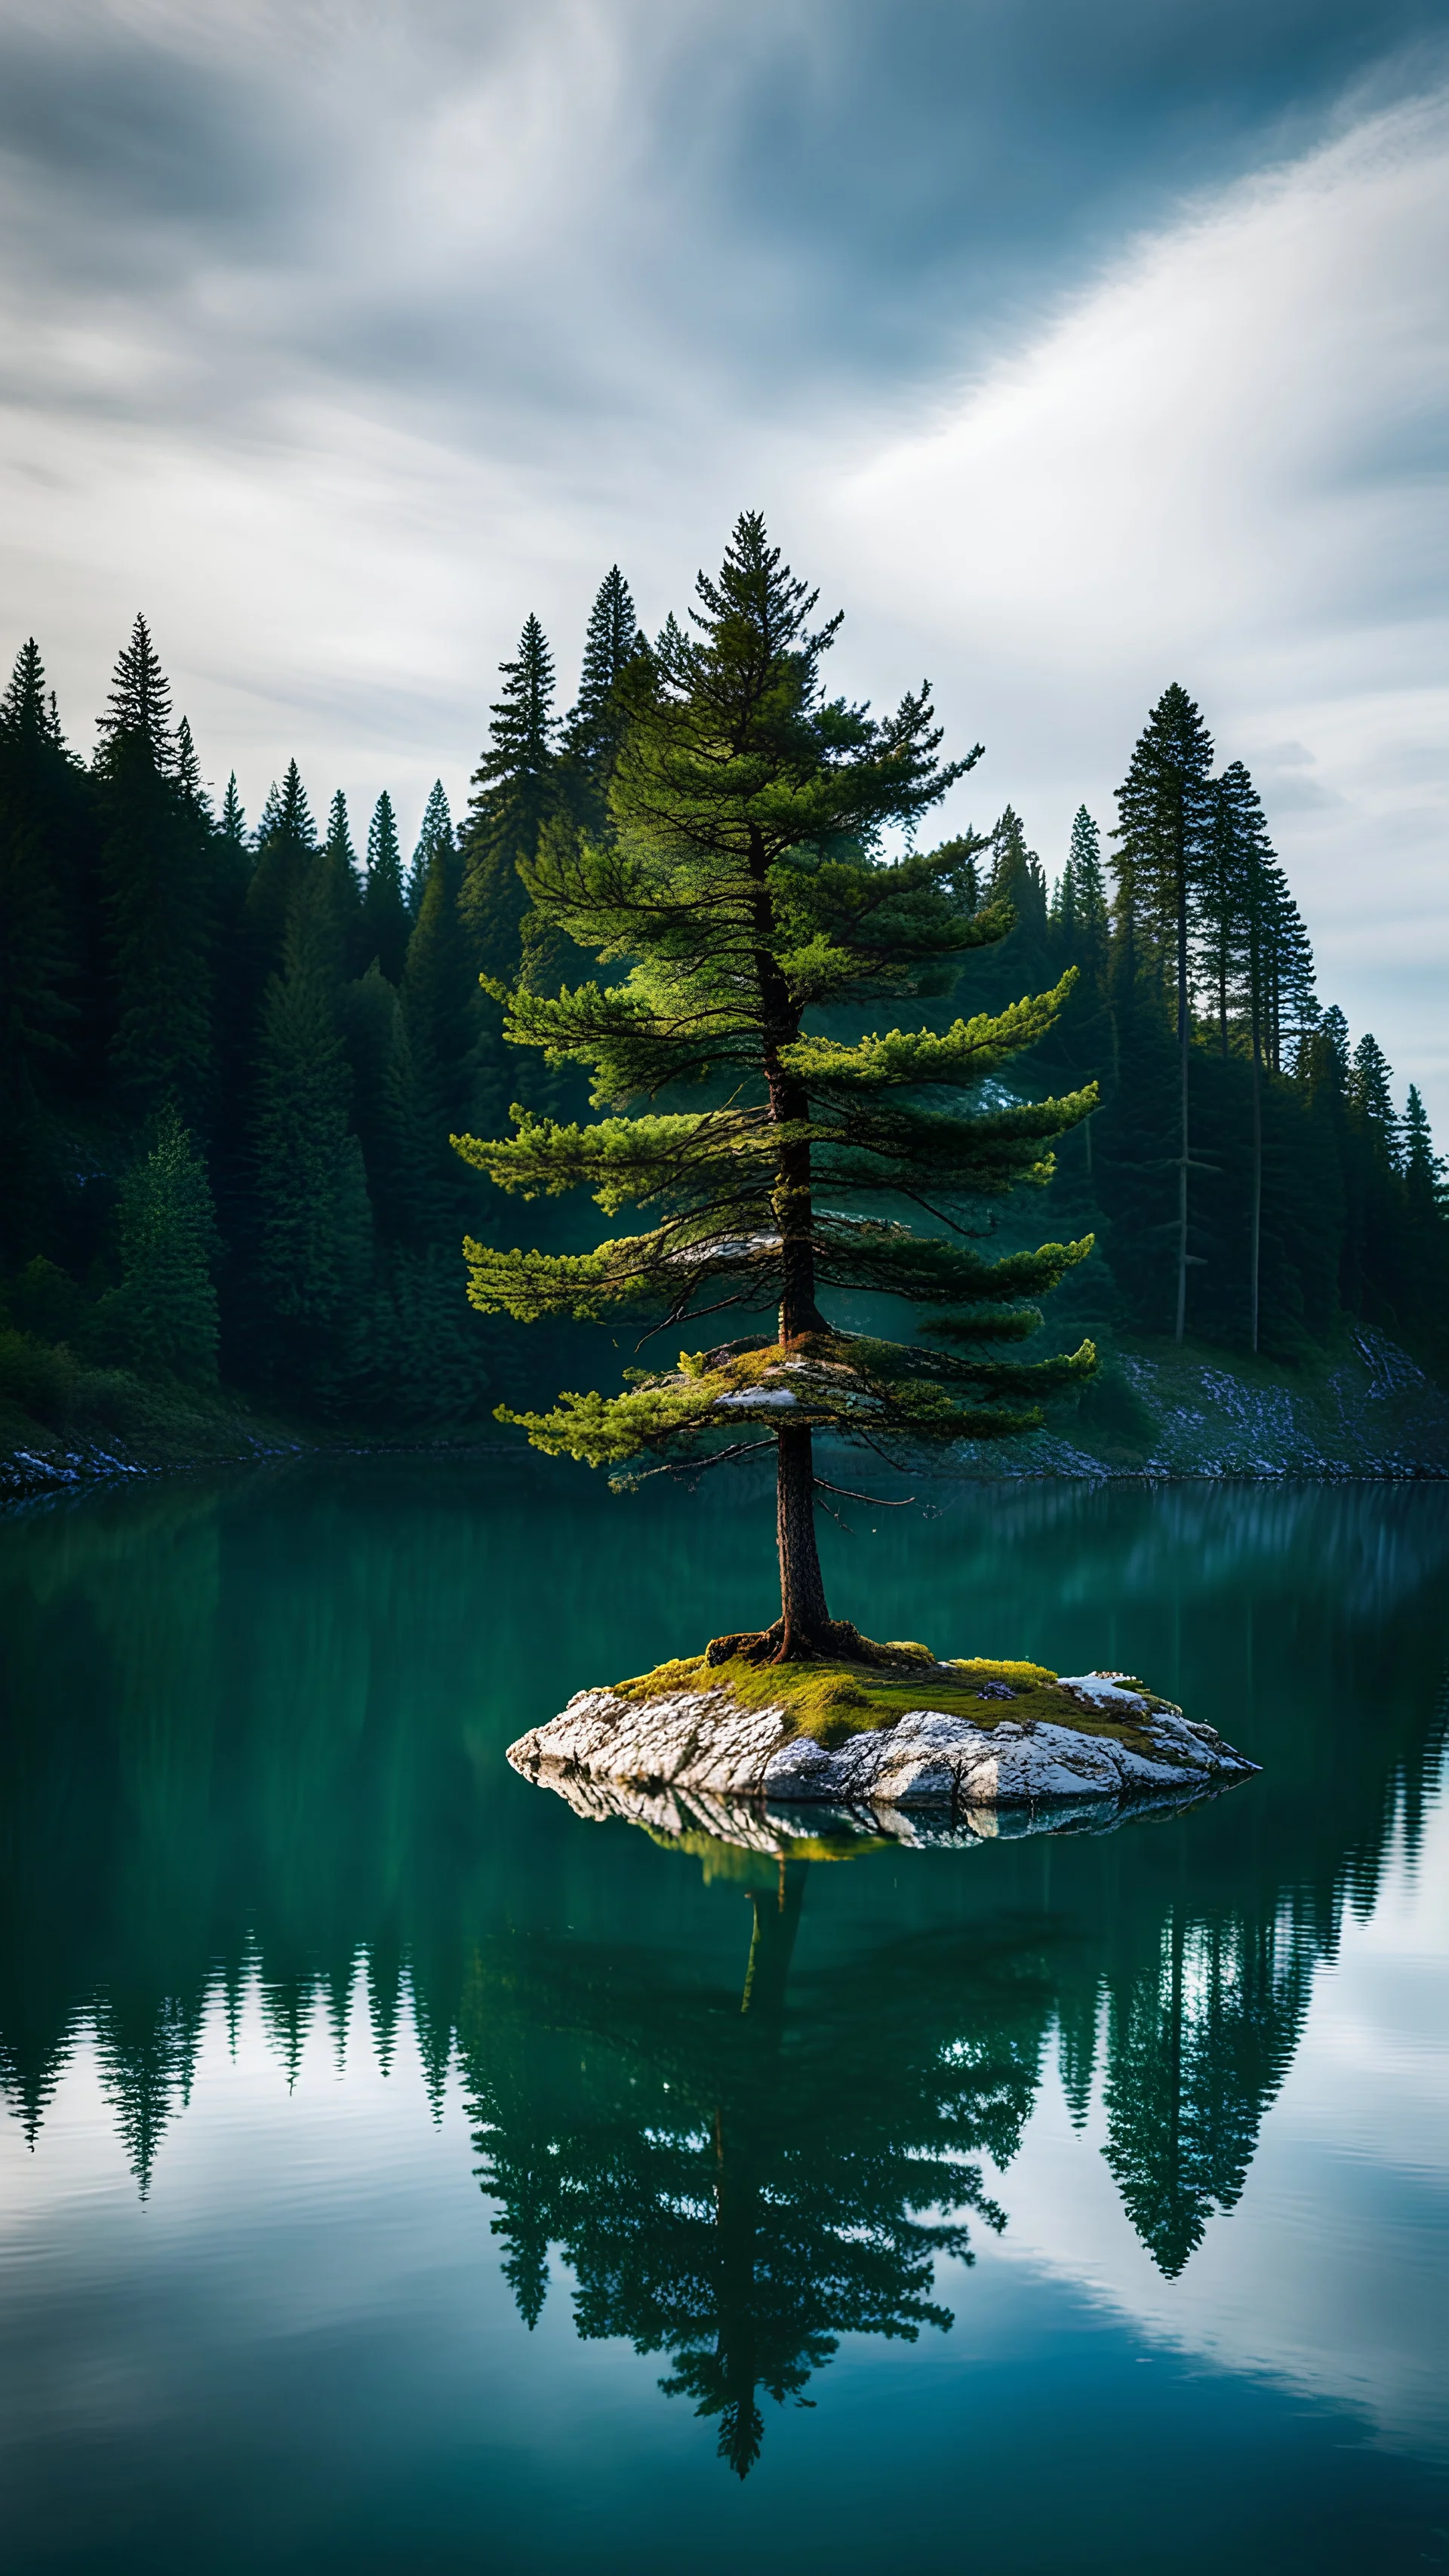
{"x":391,"y":2178}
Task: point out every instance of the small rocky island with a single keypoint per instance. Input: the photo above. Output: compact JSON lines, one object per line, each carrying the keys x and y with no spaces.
{"x":961,"y":1740}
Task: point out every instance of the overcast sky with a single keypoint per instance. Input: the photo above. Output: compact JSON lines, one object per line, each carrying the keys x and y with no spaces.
{"x":1072,"y":350}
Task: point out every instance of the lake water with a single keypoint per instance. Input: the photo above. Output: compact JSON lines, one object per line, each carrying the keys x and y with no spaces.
{"x":392,"y":2180}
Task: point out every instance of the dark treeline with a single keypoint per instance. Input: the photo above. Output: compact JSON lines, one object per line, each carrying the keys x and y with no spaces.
{"x":231,"y":1058}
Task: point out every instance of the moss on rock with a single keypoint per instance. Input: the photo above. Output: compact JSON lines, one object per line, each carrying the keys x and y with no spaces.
{"x":830,"y":1701}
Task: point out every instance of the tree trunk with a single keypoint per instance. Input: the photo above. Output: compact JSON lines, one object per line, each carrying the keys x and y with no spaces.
{"x":772,"y":1944}
{"x":804,"y":1618}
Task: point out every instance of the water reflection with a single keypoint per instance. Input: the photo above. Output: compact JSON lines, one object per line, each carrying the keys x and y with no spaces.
{"x":747,"y":2097}
{"x":731,"y":2181}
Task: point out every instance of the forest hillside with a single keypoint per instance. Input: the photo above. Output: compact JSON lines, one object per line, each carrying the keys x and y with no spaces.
{"x":232,"y":1054}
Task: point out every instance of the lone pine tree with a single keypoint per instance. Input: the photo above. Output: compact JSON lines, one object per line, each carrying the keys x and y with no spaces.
{"x":746,"y":885}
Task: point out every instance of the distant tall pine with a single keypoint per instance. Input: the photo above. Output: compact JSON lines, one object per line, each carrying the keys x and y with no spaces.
{"x":514,"y":792}
{"x":613,"y":648}
{"x":436,"y":834}
{"x":1165,"y":810}
{"x":384,"y":908}
{"x":156,"y":869}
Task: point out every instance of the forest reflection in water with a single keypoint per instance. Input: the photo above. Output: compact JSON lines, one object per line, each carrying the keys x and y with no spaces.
{"x":253,"y":1737}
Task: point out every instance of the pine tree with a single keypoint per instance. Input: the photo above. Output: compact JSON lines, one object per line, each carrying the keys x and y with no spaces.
{"x":138,"y":713}
{"x":313,"y":1252}
{"x":1423,"y":1168}
{"x":40,"y":961}
{"x":1426,"y":1233}
{"x":1292,"y":1003}
{"x":233,"y":824}
{"x":394,"y":1148}
{"x":338,"y":844}
{"x":746,"y":884}
{"x":1089,"y":896}
{"x":158,"y":897}
{"x":1371,"y":1102}
{"x":231,"y":871}
{"x":613,"y":645}
{"x":188,"y":772}
{"x":436,"y":834}
{"x":1084,"y":938}
{"x":1165,"y":809}
{"x":333,"y":891}
{"x":440,"y":1008}
{"x":384,"y":910}
{"x":1017,"y":879}
{"x":514,"y":792}
{"x":1226,"y":899}
{"x":165,"y":1311}
{"x":286,"y":842}
{"x":1240,"y":908}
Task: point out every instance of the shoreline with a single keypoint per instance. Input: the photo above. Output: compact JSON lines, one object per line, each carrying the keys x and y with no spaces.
{"x":1157,"y":1415}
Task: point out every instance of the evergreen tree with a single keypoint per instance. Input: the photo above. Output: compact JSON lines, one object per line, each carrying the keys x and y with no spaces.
{"x":440,"y":1009}
{"x":613,"y":645}
{"x":338,"y":844}
{"x":313,"y":1247}
{"x":231,"y":871}
{"x":1426,"y":1234}
{"x":394,"y":1150}
{"x":164,"y":1314}
{"x":384,"y":910}
{"x":233,"y":824}
{"x":336,"y":898}
{"x":138,"y":711}
{"x":1371,"y":1102}
{"x":1292,"y":1005}
{"x":746,"y":884}
{"x":1423,"y":1168}
{"x":1083,"y":1044}
{"x":40,"y":980}
{"x":286,"y":843}
{"x":514,"y":792}
{"x":1089,"y":897}
{"x":1240,"y":909}
{"x":436,"y":834}
{"x":1016,"y":882}
{"x":156,"y":868}
{"x":1165,"y":806}
{"x":1226,"y":896}
{"x":188,"y":773}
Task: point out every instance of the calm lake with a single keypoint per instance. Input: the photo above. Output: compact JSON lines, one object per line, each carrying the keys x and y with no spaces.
{"x":391,"y":2179}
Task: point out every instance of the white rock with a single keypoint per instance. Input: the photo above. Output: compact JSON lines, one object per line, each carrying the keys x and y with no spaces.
{"x":704,"y":1744}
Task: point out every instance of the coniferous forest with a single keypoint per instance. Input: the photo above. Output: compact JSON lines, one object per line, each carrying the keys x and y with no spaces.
{"x":233,"y":1051}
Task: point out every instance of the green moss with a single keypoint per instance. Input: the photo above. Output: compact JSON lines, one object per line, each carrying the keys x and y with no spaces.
{"x":831,"y":1701}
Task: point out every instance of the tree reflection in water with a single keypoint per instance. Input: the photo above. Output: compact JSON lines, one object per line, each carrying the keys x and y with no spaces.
{"x":737,"y":2181}
{"x":248,"y":1742}
{"x":740,"y":2180}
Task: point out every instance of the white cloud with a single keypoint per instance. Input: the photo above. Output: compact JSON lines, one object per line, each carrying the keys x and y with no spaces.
{"x":1224,"y":464}
{"x":411,"y":337}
